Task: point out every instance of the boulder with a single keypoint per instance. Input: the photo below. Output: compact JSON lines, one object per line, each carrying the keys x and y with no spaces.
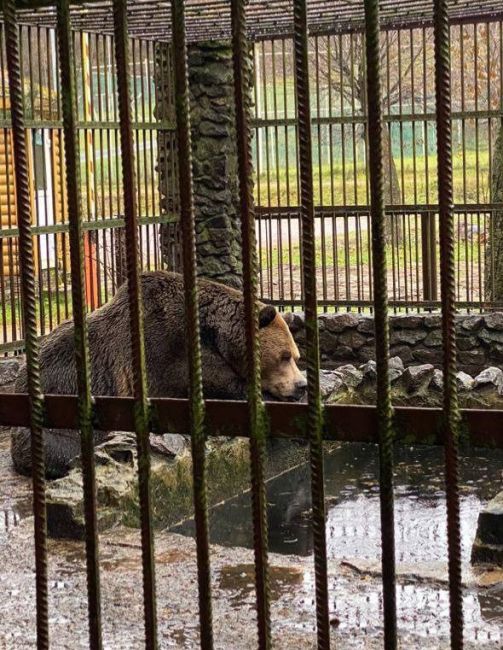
{"x":489,"y":379}
{"x":340,"y":322}
{"x":464,"y":381}
{"x":437,"y":381}
{"x":472,"y":323}
{"x":351,"y":377}
{"x":369,"y":371}
{"x":494,"y":321}
{"x":409,"y":321}
{"x":409,"y":336}
{"x":488,"y":545}
{"x":8,"y":371}
{"x":418,"y":378}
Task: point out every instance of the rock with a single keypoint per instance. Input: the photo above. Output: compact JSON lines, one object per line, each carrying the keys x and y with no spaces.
{"x":491,"y":336}
{"x":472,"y":323}
{"x":350,"y":376}
{"x":432,"y":320}
{"x":402,"y":351}
{"x":296,"y":321}
{"x":330,"y":382}
{"x":396,"y":363}
{"x":494,"y":321}
{"x":464,"y":381}
{"x":428,"y":355}
{"x":488,"y":545}
{"x":417,"y":378}
{"x":395,"y":369}
{"x":8,"y":371}
{"x":437,"y":381}
{"x":466,"y":343}
{"x":329,"y":342}
{"x":490,"y":378}
{"x":472,"y":358}
{"x":369,"y":371}
{"x":353,"y":339}
{"x":340,"y":322}
{"x":434,"y":339}
{"x":213,"y":129}
{"x":409,"y":336}
{"x":366,"y":325}
{"x":406,"y":322}
{"x":394,"y":374}
{"x":343,"y":353}
{"x":496,"y":352}
{"x":367,"y":353}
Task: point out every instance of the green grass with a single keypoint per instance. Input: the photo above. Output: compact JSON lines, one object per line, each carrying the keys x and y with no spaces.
{"x":350,"y":183}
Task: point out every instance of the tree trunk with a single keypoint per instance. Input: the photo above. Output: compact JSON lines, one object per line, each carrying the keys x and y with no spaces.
{"x":494,"y":248}
{"x":392,"y":193}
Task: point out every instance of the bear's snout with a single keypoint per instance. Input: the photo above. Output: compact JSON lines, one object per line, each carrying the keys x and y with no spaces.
{"x":300,"y":388}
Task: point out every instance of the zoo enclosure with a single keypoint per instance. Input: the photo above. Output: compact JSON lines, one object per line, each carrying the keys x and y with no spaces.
{"x":248,"y":418}
{"x":340,"y":167}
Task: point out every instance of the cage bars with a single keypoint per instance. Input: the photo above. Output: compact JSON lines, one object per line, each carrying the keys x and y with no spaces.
{"x":379,"y":261}
{"x":141,"y":413}
{"x":256,"y":411}
{"x":196,"y":403}
{"x":82,"y":362}
{"x":315,"y":414}
{"x":35,"y":403}
{"x":448,"y":297}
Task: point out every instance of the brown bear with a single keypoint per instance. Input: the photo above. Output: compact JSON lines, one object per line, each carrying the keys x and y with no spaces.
{"x":221,"y":313}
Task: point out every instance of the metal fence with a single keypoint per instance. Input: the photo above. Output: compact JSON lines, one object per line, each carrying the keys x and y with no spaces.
{"x":341,"y":171}
{"x":97,"y":126}
{"x":251,"y":418}
{"x":340,"y":168}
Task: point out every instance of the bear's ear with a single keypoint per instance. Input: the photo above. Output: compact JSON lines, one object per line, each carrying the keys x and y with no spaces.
{"x":266,"y":315}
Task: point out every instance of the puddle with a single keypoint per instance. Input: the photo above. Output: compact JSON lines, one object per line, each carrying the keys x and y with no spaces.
{"x":240,"y":581}
{"x":353,"y":532}
{"x":352,"y":493}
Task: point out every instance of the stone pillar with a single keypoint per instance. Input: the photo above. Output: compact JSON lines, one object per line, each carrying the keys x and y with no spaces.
{"x":215,"y":164}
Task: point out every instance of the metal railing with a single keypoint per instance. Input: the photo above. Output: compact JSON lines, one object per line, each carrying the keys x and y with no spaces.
{"x":252,"y":419}
{"x":340,"y":127}
{"x":97,"y":126}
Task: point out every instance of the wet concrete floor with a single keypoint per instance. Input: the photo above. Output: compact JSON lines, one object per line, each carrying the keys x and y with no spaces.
{"x":352,"y":532}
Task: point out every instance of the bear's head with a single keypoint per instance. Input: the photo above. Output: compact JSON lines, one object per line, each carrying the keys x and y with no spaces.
{"x":279,"y":354}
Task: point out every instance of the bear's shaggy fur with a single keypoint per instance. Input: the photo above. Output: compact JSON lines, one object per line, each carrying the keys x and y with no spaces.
{"x":223,"y":356}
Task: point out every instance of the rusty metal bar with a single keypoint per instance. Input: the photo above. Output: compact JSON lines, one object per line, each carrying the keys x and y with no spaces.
{"x":136,"y":319}
{"x":72,"y":158}
{"x":256,"y":411}
{"x":315,"y":413}
{"x":35,"y":401}
{"x":448,"y":297}
{"x":196,"y":403}
{"x":342,"y":422}
{"x":383,"y":396}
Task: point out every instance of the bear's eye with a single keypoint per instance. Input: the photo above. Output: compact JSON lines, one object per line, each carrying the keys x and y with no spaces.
{"x":287,"y":356}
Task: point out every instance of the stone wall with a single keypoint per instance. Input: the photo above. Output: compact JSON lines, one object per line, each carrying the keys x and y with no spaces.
{"x":215,"y":161}
{"x":348,"y":338}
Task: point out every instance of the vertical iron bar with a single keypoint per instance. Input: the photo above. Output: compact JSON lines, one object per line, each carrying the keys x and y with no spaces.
{"x":136,"y":319}
{"x":256,"y":412}
{"x":448,"y":296}
{"x":315,"y":414}
{"x":383,"y":399}
{"x":72,"y":159}
{"x":187,"y":221}
{"x":30,"y":319}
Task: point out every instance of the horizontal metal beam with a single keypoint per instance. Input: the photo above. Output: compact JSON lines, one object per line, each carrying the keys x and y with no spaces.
{"x":101,"y":224}
{"x":286,"y":211}
{"x":342,"y":422}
